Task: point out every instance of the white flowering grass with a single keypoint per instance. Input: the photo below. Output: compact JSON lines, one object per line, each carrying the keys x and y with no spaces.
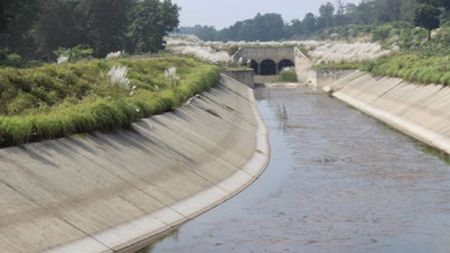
{"x":205,"y":53}
{"x":63,"y":59}
{"x":320,"y":51}
{"x":114,"y":55}
{"x":118,"y":77}
{"x":348,"y":52}
{"x":171,"y":74}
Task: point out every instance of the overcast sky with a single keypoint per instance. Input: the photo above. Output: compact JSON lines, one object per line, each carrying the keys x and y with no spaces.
{"x":223,"y":13}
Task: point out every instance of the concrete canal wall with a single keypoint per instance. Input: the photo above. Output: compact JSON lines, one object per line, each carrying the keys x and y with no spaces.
{"x":246,"y":77}
{"x":421,"y":111}
{"x":111,"y":192}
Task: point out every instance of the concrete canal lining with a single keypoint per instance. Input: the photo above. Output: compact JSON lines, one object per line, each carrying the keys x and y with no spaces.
{"x":421,"y":111}
{"x":112,"y":192}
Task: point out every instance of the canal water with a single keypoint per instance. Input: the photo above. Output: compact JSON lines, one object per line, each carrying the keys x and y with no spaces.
{"x":338,"y":181}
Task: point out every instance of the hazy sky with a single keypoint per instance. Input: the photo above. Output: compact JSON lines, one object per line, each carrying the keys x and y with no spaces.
{"x":222,"y":13}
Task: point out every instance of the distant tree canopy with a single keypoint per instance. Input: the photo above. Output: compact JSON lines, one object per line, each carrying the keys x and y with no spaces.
{"x":34,"y":29}
{"x":367,"y":12}
{"x":262,"y":27}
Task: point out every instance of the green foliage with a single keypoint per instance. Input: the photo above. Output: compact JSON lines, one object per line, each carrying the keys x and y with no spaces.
{"x":34,"y":29}
{"x":151,"y":22}
{"x":326,"y":15}
{"x":76,"y":53}
{"x":342,"y":21}
{"x":339,"y":65}
{"x":428,"y":17}
{"x":262,"y":27}
{"x":10,"y":59}
{"x":413,"y":67}
{"x":57,"y":25}
{"x":59,"y":100}
{"x":105,"y":24}
{"x":382,"y":33}
{"x":419,"y":68}
{"x":288,"y":76}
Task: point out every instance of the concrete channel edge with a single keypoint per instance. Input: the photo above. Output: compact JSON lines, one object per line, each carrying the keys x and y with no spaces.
{"x":135,"y":235}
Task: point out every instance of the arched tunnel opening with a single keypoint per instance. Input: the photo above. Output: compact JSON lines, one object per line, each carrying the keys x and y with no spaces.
{"x":254,"y":65}
{"x":285,"y":64}
{"x":268,"y":68}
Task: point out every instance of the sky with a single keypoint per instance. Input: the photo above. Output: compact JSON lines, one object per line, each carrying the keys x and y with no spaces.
{"x":223,"y":13}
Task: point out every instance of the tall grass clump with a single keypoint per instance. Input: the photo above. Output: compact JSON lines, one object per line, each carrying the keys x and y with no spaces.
{"x":288,"y":75}
{"x":118,"y":77}
{"x":59,"y":100}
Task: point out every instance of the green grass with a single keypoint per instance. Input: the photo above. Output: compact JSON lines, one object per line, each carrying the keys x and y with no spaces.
{"x":288,"y":76}
{"x":418,"y":68}
{"x":54,"y":101}
{"x":338,"y":66}
{"x":414,"y":67}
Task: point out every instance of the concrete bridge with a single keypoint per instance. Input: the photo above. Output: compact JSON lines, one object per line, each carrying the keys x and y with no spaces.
{"x":269,"y":61}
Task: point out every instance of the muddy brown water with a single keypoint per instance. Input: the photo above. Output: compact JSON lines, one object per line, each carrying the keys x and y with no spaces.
{"x":338,"y":181}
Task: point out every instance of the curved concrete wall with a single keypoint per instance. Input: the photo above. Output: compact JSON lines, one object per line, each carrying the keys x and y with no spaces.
{"x":246,"y":77}
{"x":421,"y":111}
{"x":111,"y":192}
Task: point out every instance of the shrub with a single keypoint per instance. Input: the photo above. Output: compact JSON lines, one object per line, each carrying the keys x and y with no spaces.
{"x":73,"y":54}
{"x":10,"y":59}
{"x":288,"y":75}
{"x":381,"y":33}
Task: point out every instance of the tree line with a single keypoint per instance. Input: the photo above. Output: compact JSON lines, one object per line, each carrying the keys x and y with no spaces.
{"x":34,"y":29}
{"x":425,"y":13}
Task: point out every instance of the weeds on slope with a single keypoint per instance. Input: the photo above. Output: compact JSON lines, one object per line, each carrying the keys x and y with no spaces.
{"x":413,"y":67}
{"x":59,"y":100}
{"x":288,"y":75}
{"x":418,"y":68}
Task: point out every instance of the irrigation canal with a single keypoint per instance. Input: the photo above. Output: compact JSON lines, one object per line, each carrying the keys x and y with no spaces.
{"x":338,"y":181}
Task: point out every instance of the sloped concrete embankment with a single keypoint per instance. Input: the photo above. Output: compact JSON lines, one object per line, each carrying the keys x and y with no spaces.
{"x":421,"y":111}
{"x":111,"y":192}
{"x":246,"y":77}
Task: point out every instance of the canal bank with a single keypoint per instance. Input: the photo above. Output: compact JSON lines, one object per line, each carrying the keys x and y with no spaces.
{"x":112,"y":192}
{"x":421,"y":111}
{"x":338,"y":181}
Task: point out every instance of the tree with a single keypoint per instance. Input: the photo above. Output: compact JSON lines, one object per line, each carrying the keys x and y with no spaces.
{"x":310,"y":23}
{"x":170,"y":17}
{"x":326,"y":13}
{"x":393,"y":9}
{"x":152,"y":20}
{"x":427,"y":16}
{"x":268,"y":27}
{"x":16,"y":19}
{"x":57,"y":25}
{"x":364,"y":12}
{"x":262,"y":27}
{"x":340,"y":13}
{"x":296,"y":28}
{"x":105,"y":24}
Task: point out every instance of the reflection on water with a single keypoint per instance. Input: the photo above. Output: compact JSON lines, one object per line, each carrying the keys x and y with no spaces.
{"x":338,"y":181}
{"x":171,"y":235}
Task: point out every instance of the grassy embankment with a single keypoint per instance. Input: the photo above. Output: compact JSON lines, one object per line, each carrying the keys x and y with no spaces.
{"x":413,"y":67}
{"x":287,"y":76}
{"x":59,"y":100}
{"x":420,"y":61}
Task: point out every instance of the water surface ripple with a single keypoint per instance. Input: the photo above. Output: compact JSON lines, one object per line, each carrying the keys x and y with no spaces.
{"x":338,"y":181}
